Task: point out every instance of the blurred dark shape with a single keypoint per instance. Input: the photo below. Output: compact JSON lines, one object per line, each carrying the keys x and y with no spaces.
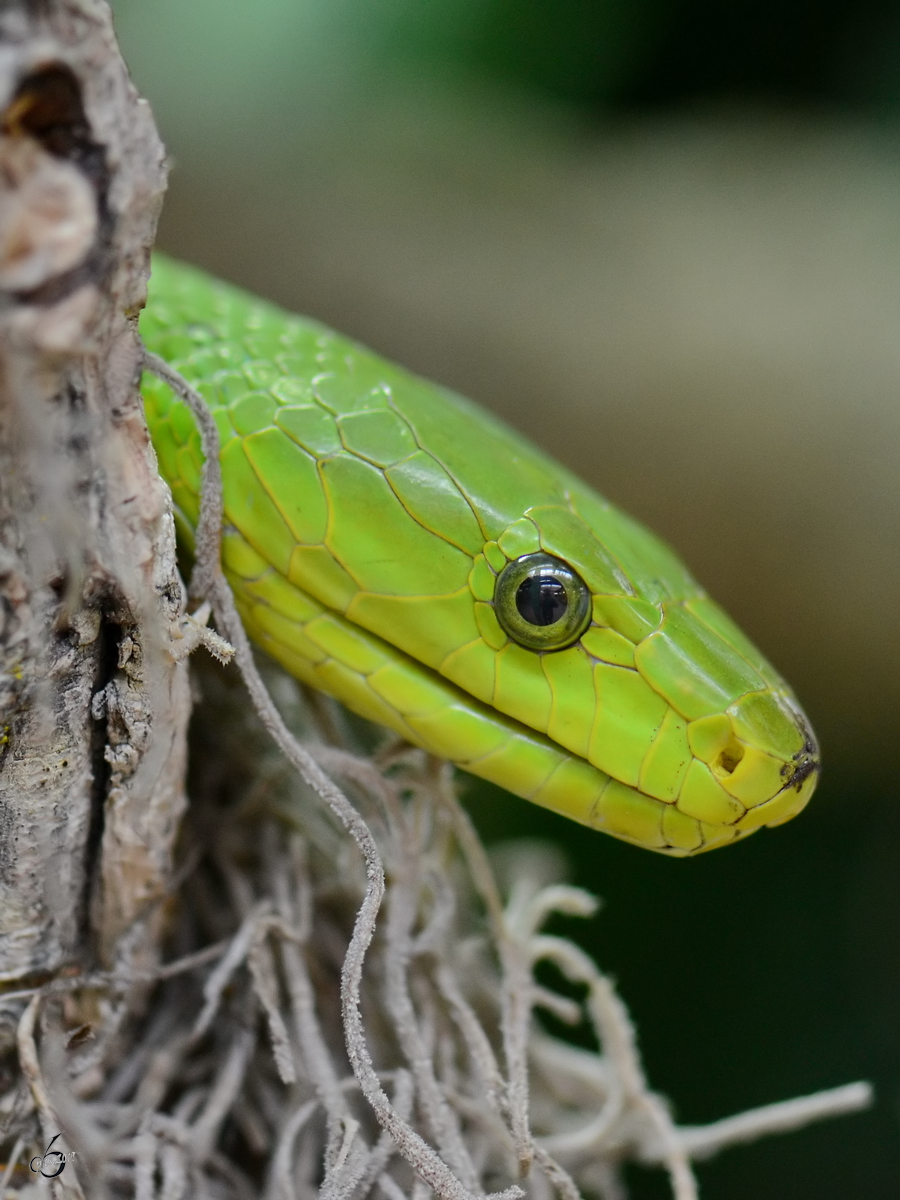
{"x":800,"y":51}
{"x":633,"y":54}
{"x":575,"y":50}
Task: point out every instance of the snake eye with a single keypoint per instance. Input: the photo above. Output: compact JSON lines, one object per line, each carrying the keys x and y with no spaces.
{"x":541,"y":603}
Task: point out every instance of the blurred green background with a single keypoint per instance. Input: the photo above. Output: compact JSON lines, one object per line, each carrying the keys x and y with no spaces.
{"x":662,"y":237}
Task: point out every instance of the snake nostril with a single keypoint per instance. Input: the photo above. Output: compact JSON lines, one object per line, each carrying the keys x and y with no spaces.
{"x":730,"y":757}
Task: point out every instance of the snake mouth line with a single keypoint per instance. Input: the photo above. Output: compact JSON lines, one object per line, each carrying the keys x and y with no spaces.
{"x":805,"y":762}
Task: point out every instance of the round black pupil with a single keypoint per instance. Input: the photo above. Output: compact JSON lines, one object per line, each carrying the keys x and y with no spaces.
{"x":541,"y":600}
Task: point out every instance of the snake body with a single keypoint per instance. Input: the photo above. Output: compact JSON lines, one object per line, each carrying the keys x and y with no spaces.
{"x":395,"y":546}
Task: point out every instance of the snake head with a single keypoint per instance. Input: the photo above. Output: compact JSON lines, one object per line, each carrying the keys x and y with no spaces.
{"x":395,"y":546}
{"x":701,"y":739}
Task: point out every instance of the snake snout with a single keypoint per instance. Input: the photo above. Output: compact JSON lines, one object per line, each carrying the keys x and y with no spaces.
{"x":801,"y":772}
{"x":806,"y":763}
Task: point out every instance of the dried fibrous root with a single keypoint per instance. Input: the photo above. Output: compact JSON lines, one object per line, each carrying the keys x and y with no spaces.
{"x":241,"y":1083}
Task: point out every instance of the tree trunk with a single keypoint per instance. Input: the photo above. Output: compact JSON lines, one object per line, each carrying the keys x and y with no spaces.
{"x":93,"y":707}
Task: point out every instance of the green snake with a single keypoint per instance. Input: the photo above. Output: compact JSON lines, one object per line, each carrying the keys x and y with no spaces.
{"x":398,"y":548}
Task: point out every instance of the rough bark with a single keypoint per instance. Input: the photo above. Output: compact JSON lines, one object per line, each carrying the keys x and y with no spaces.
{"x":93,"y":710}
